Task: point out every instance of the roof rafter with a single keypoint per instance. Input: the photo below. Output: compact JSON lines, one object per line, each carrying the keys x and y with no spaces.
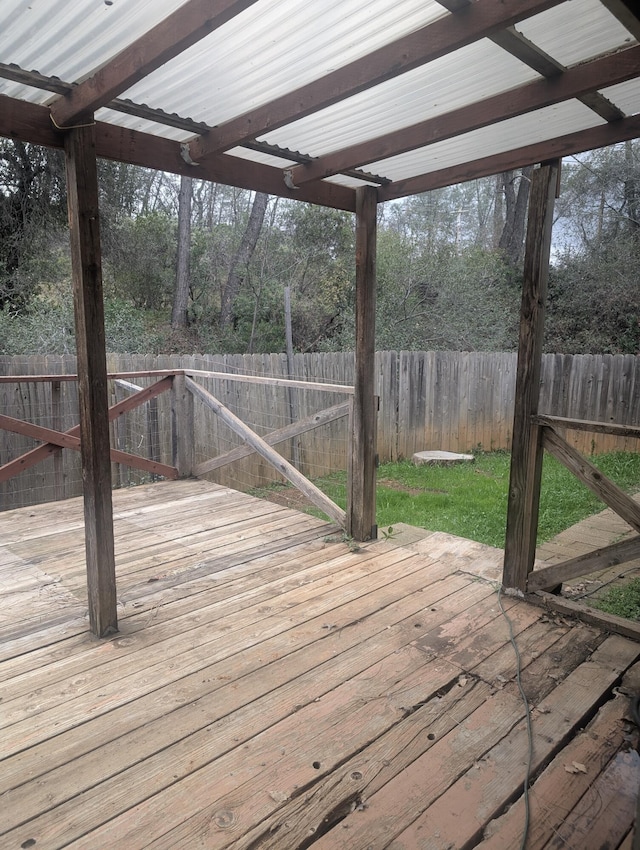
{"x":187,"y":25}
{"x":572,"y":143}
{"x":159,"y":116}
{"x":30,"y":122}
{"x":626,"y":11}
{"x":518,"y":45}
{"x":607,"y":71}
{"x":471,"y":23}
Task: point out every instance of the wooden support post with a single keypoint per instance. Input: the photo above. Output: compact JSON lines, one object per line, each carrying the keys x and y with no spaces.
{"x":526,"y":451}
{"x":182,"y":428}
{"x":82,"y":193}
{"x":361,"y":495}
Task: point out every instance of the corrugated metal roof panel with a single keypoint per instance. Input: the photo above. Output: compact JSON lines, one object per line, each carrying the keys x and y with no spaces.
{"x":22,"y":92}
{"x":277,"y":46}
{"x":132,"y":122}
{"x":274,"y":47}
{"x":572,"y":34}
{"x":258,"y":156}
{"x":626,"y":96}
{"x":526,"y":129}
{"x":472,"y":73}
{"x":72,"y":38}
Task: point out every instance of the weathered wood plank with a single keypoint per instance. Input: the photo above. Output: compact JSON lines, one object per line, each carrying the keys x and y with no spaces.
{"x":361,"y":474}
{"x":237,"y":604}
{"x":611,"y":622}
{"x":349,"y":786}
{"x":609,"y":556}
{"x":273,"y":382}
{"x":461,"y":814}
{"x":594,"y":748}
{"x":52,"y":712}
{"x":303,"y":426}
{"x":284,"y":467}
{"x":591,"y":477}
{"x":82,"y":201}
{"x":354,"y":655}
{"x":400,"y":801}
{"x":526,"y":451}
{"x":588,"y":425}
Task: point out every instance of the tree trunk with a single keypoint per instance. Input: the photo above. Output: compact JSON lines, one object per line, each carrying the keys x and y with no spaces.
{"x":512,"y":239}
{"x":631,"y":191}
{"x":181,"y":295}
{"x":242,"y":257}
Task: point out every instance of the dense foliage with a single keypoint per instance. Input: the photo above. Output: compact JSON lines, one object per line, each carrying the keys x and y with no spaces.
{"x":449,"y":262}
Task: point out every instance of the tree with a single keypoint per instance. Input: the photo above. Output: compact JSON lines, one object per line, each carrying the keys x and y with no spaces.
{"x":32,"y":218}
{"x":511,"y":240}
{"x":241,"y":258}
{"x":181,"y":295}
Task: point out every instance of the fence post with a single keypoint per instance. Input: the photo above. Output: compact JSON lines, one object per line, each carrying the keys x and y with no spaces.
{"x":182,"y":427}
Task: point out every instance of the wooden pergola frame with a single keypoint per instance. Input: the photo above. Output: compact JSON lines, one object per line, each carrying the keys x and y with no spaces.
{"x":68,"y":122}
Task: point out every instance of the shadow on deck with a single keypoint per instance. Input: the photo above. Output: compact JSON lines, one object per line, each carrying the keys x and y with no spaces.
{"x":272,"y":688}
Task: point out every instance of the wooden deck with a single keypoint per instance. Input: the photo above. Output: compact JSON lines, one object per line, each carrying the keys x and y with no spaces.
{"x":272,"y":688}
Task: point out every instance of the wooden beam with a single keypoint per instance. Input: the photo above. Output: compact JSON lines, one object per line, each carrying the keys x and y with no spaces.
{"x":273,"y":382}
{"x":600,"y":559}
{"x":443,"y":36}
{"x":190,"y":23}
{"x":66,"y":440}
{"x":147,"y":373}
{"x":31,"y":122}
{"x":571,"y":143}
{"x":526,"y":450}
{"x":302,"y":426}
{"x":526,"y":51}
{"x":316,"y":496}
{"x":607,"y":622}
{"x":626,"y":11}
{"x":591,"y":477}
{"x":31,"y":458}
{"x":82,"y":199}
{"x":588,"y":425}
{"x":361,"y":507}
{"x":599,"y":73}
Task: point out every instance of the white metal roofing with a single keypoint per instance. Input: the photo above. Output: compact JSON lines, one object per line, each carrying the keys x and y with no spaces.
{"x":272,"y":47}
{"x":534,"y":127}
{"x":276,"y":46}
{"x":433,"y":89}
{"x":573,"y":33}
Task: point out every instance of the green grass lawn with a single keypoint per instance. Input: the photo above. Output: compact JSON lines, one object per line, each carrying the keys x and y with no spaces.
{"x":470,"y":500}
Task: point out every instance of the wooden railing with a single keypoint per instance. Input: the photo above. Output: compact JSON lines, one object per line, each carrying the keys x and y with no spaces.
{"x":184,"y":388}
{"x":605,"y":489}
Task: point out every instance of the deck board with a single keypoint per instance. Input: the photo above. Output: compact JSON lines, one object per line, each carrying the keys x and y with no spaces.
{"x":273,"y":687}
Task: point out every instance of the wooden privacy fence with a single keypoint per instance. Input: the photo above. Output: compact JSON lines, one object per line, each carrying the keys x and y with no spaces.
{"x":428,"y":400}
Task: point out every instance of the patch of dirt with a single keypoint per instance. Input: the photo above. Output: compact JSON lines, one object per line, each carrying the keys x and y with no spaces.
{"x":288,"y":497}
{"x":402,"y":488}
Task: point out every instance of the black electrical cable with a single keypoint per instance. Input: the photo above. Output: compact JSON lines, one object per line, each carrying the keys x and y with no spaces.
{"x":525,"y":788}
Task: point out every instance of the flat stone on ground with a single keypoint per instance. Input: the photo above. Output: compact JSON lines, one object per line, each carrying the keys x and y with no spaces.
{"x":440,"y":457}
